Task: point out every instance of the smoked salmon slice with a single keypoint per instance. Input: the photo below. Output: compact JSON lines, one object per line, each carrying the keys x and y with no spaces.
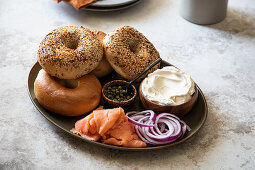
{"x":111,"y":126}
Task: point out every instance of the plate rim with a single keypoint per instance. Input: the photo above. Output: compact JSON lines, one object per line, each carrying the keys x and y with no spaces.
{"x":95,"y":4}
{"x":113,"y":146}
{"x":110,"y":9}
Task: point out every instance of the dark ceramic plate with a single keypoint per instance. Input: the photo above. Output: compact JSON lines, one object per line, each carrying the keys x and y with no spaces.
{"x":195,"y":118}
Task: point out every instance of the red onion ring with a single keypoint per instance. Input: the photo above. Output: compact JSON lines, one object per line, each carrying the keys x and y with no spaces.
{"x":144,"y":115}
{"x":160,"y":129}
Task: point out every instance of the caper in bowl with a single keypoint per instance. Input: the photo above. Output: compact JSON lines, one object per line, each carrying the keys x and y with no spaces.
{"x":115,"y":94}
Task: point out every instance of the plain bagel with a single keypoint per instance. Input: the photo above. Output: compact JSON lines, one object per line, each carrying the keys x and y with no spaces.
{"x":129,"y":52}
{"x":70,"y":52}
{"x":104,"y":68}
{"x":67,"y":97}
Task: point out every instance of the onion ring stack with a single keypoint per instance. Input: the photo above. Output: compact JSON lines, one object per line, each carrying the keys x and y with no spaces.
{"x":161,"y":129}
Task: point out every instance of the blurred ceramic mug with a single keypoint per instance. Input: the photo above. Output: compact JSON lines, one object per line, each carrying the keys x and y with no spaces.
{"x":203,"y":11}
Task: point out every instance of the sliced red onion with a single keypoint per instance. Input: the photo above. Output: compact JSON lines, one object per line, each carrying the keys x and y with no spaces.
{"x":134,"y":116}
{"x":160,"y":129}
{"x":145,"y":112}
{"x":188,"y":128}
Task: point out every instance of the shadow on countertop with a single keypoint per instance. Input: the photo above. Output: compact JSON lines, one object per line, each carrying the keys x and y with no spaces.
{"x":237,"y":22}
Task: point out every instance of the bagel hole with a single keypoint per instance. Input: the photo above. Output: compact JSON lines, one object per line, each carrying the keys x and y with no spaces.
{"x":70,"y":84}
{"x":72,"y":44}
{"x":70,"y":40}
{"x":132,"y":48}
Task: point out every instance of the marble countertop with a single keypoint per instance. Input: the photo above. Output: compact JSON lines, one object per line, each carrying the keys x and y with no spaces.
{"x":220,"y":58}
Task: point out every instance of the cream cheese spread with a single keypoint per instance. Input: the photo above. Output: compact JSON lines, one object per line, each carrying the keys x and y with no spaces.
{"x":168,"y":86}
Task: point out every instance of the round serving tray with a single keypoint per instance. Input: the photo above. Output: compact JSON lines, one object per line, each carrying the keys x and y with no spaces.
{"x":195,"y":118}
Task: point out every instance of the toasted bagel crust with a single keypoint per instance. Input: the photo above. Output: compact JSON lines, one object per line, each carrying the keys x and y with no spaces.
{"x":52,"y":95}
{"x":104,"y":68}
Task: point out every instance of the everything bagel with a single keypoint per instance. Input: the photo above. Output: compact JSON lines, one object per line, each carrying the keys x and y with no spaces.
{"x":129,"y":52}
{"x":70,"y":52}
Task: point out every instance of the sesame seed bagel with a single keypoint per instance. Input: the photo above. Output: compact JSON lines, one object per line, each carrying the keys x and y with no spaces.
{"x":129,"y":52}
{"x":70,"y":52}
